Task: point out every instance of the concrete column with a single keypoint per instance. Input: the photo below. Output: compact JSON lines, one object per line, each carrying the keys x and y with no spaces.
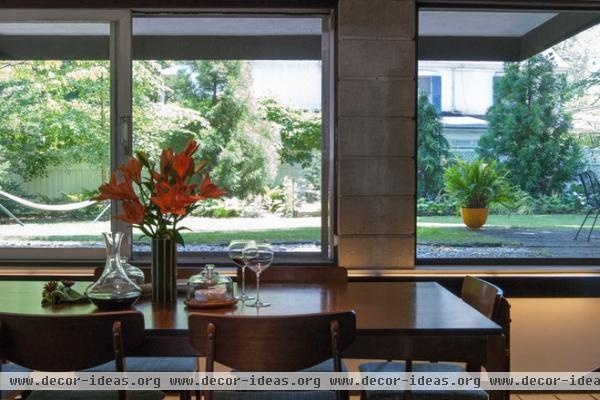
{"x":376,"y":133}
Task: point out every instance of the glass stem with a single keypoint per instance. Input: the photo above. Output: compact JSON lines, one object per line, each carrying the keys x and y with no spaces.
{"x":258,"y":288}
{"x":244,"y":281}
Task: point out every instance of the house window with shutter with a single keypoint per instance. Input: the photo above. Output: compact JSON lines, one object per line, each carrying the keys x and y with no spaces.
{"x":432,"y":85}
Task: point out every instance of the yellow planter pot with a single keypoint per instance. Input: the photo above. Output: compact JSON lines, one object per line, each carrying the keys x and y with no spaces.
{"x":474,"y":218}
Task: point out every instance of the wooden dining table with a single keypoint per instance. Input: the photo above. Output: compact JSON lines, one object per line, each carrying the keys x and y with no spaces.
{"x":395,"y":320}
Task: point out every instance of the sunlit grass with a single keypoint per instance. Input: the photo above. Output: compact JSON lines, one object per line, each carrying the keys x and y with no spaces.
{"x":290,"y":235}
{"x":457,"y":236}
{"x":553,"y":221}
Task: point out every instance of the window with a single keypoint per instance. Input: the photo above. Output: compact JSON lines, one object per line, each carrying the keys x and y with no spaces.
{"x":57,"y":113}
{"x":252,"y":90}
{"x":516,"y":119}
{"x":432,"y":86}
{"x":254,"y":103}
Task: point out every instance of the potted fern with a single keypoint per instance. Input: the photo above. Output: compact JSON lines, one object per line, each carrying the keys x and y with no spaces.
{"x":473,"y":186}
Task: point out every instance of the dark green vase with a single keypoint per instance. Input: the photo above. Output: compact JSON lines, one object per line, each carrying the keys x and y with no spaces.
{"x":164,"y":271}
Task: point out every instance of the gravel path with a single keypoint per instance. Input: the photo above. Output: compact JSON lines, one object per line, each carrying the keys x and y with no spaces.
{"x":532,"y":243}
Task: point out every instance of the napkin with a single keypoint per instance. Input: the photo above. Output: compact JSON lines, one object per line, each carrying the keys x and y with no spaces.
{"x":61,"y":293}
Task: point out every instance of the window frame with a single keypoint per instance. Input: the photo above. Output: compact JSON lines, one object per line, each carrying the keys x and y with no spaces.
{"x":327,"y":253}
{"x":120,"y":112}
{"x":494,"y":5}
{"x":121,"y":135}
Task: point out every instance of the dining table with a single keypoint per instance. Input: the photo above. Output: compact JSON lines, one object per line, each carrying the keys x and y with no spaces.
{"x":395,"y":320}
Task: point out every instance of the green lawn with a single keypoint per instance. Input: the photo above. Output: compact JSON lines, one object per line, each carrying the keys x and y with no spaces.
{"x":555,"y":221}
{"x":449,"y":230}
{"x":221,"y":237}
{"x":457,"y":236}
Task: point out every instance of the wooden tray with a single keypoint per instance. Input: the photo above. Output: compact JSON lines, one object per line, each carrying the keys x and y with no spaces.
{"x":210,"y":304}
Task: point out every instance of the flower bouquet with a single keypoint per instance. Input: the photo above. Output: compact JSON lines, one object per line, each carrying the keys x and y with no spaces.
{"x":157,"y":201}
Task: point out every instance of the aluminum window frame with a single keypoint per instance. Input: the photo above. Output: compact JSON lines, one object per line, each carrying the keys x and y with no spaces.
{"x":120,"y":111}
{"x":121,"y":130}
{"x":327,"y":252}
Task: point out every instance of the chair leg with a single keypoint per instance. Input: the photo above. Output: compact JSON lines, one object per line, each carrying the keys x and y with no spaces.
{"x":198,"y":395}
{"x":185,"y":395}
{"x":594,"y":224}
{"x":583,"y":223}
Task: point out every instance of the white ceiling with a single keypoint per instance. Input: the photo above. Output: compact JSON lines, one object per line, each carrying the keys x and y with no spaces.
{"x":184,"y":26}
{"x":478,"y":23}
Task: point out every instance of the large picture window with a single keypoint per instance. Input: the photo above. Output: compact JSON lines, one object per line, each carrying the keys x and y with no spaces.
{"x":57,"y":82}
{"x":249,"y":89}
{"x":512,"y":151}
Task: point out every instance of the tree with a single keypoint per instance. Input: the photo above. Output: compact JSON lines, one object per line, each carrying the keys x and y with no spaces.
{"x":433,"y":150}
{"x":234,"y":146}
{"x":158,"y":123}
{"x":529,"y":127}
{"x":58,"y":113}
{"x":299,"y":131}
{"x":53,"y":112}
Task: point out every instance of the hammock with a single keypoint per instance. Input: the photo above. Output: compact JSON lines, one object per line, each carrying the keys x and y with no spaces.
{"x":47,"y":207}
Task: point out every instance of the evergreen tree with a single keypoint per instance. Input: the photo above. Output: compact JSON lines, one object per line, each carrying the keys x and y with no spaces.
{"x":433,"y":150}
{"x":529,"y":127}
{"x":234,"y":146}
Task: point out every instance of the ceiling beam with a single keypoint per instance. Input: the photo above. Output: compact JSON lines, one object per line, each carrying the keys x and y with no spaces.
{"x":546,"y":35}
{"x":462,"y":48}
{"x":556,"y":30}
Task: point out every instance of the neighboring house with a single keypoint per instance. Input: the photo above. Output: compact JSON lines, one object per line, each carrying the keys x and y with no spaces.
{"x":462,"y":92}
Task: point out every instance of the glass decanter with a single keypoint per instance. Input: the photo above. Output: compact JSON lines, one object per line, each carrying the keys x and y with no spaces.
{"x":134,"y":273}
{"x":113,"y":290}
{"x":209,"y":286}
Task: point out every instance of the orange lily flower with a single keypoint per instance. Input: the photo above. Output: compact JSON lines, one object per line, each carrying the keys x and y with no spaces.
{"x":171,"y":191}
{"x":183,"y":165}
{"x":166,"y":161}
{"x":133,"y":169}
{"x":134,"y":212}
{"x":172,"y":199}
{"x":209,"y":190}
{"x":115,"y":190}
{"x":191,"y":147}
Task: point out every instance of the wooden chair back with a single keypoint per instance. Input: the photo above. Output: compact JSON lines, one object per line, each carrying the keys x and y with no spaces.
{"x":305,"y":274}
{"x":271,"y":343}
{"x":489,"y":300}
{"x":69,"y":342}
{"x":481,"y":295}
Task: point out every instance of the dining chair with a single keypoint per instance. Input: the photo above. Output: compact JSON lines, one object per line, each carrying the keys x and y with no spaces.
{"x":304,"y":274}
{"x":10,"y":367}
{"x":63,"y":343}
{"x":484,"y":297}
{"x":156,"y":364}
{"x":291,"y":343}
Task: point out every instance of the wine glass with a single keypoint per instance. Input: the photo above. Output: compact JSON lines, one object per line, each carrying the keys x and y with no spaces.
{"x":258,"y":259}
{"x":235,"y":253}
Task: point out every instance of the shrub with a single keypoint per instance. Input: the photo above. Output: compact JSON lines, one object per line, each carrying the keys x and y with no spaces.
{"x":567,"y":203}
{"x":276,"y":200}
{"x":213,"y":208}
{"x":477,"y":184}
{"x":439,"y":206}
